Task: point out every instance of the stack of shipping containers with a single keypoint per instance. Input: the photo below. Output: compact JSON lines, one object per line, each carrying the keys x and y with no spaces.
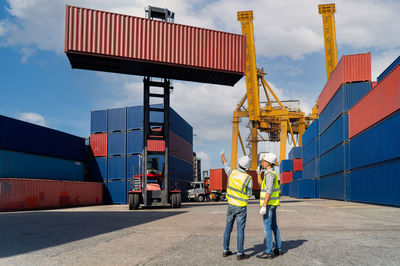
{"x":286,"y":176}
{"x":374,"y":124}
{"x":349,"y":82}
{"x":123,"y":147}
{"x":302,"y":187}
{"x":39,"y":167}
{"x":310,"y":155}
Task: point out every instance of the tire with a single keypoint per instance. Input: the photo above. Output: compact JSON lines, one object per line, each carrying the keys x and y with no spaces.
{"x":217,"y":198}
{"x":136,"y":201}
{"x":178,"y":200}
{"x":130,"y":201}
{"x":200,"y":198}
{"x":173,"y":200}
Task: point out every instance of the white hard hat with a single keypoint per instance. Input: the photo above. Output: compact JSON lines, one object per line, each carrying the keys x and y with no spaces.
{"x":270,"y":157}
{"x":244,"y":161}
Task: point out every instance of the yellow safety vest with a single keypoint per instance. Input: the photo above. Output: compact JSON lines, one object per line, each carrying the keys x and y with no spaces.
{"x":235,"y":192}
{"x":275,"y":198}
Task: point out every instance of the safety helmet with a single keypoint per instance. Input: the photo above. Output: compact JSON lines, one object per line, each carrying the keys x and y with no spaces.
{"x":244,"y":162}
{"x":270,"y":157}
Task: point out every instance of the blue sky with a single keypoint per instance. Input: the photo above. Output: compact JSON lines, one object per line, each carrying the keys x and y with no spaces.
{"x":38,"y":84}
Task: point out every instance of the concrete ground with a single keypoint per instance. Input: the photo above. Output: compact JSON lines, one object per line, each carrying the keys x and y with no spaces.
{"x":314,"y":232}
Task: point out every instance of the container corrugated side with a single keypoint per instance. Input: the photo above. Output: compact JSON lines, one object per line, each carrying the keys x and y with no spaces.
{"x":218,"y":179}
{"x":180,"y":148}
{"x":98,"y":121}
{"x":180,"y":126}
{"x":116,"y":119}
{"x":180,"y":173}
{"x":378,"y":143}
{"x":311,"y":133}
{"x":293,"y":189}
{"x":335,"y":134}
{"x":105,"y":41}
{"x":17,"y":135}
{"x":286,"y":166}
{"x":379,"y":103}
{"x":295,"y":153}
{"x":333,"y":186}
{"x":117,"y":191}
{"x":297,"y":165}
{"x":117,"y":143}
{"x":311,"y":169}
{"x":25,"y":194}
{"x":385,"y":72}
{"x":297,"y":175}
{"x":286,"y":177}
{"x":284,"y":189}
{"x":116,"y":167}
{"x":351,"y":68}
{"x":25,"y":165}
{"x":98,"y":144}
{"x":334,"y":161}
{"x":306,"y":188}
{"x":98,"y":169}
{"x":311,"y":151}
{"x":345,"y":98}
{"x":365,"y":182}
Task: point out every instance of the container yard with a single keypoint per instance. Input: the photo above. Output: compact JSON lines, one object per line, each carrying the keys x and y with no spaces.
{"x":119,"y":144}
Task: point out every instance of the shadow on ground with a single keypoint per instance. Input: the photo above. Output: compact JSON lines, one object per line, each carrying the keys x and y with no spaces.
{"x":25,"y":232}
{"x":286,"y":246}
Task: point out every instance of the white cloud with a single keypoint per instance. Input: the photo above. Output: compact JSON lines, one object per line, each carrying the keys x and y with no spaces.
{"x":2,"y":28}
{"x":34,"y":118}
{"x":26,"y":53}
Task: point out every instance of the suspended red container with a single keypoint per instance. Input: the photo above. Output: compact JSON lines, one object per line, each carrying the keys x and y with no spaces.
{"x":380,"y":102}
{"x":24,"y":194}
{"x":98,"y":40}
{"x":286,"y":177}
{"x":351,"y":68}
{"x":297,"y":165}
{"x":98,"y":144}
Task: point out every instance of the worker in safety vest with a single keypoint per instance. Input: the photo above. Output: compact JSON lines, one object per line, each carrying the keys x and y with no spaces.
{"x":238,"y":191}
{"x":269,"y":201}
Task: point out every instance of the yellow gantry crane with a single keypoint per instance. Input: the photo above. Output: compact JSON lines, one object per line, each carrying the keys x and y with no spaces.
{"x":273,"y":117}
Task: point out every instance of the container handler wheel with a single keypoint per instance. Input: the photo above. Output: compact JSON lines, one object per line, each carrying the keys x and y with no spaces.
{"x":176,"y":200}
{"x":134,"y":201}
{"x":130,"y":201}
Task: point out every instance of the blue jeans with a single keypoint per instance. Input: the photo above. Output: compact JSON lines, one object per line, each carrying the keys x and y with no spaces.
{"x":270,"y":226}
{"x":232,"y":213}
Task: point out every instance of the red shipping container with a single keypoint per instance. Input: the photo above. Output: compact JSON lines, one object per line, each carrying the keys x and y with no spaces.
{"x":98,"y":40}
{"x":297,"y":165}
{"x":253,"y":174}
{"x":25,"y":194}
{"x":373,"y":84}
{"x":380,"y":102}
{"x":155,"y":145}
{"x":351,"y":68}
{"x":286,"y":177}
{"x":98,"y":144}
{"x":218,"y":179}
{"x":180,"y":148}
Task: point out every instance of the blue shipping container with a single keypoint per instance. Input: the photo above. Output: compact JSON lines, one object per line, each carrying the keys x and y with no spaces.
{"x":378,"y":143}
{"x":98,"y":121}
{"x":132,"y":166}
{"x":334,"y":161}
{"x":311,"y":151}
{"x":310,"y":169}
{"x":388,"y":69}
{"x":117,"y":190}
{"x":25,"y":165}
{"x":286,"y":166}
{"x":98,"y":169}
{"x":306,"y":188}
{"x":116,"y":167}
{"x":116,"y":142}
{"x":116,"y":119}
{"x":284,"y":189}
{"x":365,"y":183}
{"x":333,"y":186}
{"x":293,"y":189}
{"x":345,"y":98}
{"x":296,"y":153}
{"x":17,"y":135}
{"x":135,"y":142}
{"x":311,"y":133}
{"x":336,"y":133}
{"x":317,"y":181}
{"x":297,"y":175}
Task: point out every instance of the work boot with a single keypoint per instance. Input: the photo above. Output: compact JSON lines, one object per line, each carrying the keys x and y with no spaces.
{"x":278,"y":252}
{"x":226,"y":253}
{"x":264,"y":255}
{"x":242,"y":256}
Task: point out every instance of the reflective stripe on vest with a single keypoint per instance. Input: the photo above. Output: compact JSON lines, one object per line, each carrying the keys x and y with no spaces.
{"x":235,"y":192}
{"x":275,"y":198}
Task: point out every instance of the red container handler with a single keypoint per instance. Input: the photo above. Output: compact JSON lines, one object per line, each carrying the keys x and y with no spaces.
{"x":25,"y":194}
{"x":351,"y":68}
{"x":218,"y":179}
{"x":380,"y":102}
{"x":98,"y":144}
{"x":297,"y":165}
{"x":99,"y":40}
{"x":286,"y":177}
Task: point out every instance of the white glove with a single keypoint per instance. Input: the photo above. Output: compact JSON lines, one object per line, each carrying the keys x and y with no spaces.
{"x":259,"y":171}
{"x":263,"y":210}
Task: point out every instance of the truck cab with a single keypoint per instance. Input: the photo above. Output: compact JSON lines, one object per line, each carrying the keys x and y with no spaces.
{"x":197,"y":191}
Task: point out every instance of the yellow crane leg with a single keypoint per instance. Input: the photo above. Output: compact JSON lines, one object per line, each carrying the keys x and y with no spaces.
{"x":254,"y":150}
{"x":282,"y":152}
{"x":302,"y":129}
{"x":241,"y":143}
{"x":235,"y":136}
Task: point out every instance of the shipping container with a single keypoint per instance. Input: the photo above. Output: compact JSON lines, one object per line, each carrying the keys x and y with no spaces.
{"x":98,"y":144}
{"x":135,"y":116}
{"x":295,"y":153}
{"x":364,"y":184}
{"x":297,"y":164}
{"x":293,"y":189}
{"x":179,"y":126}
{"x":306,"y":188}
{"x":284,"y":189}
{"x":286,"y":166}
{"x":388,"y":69}
{"x":116,"y":119}
{"x":98,"y":169}
{"x":335,"y":134}
{"x":379,"y":103}
{"x":334,"y":161}
{"x":333,"y":186}
{"x":297,"y":175}
{"x":98,"y":121}
{"x":311,"y":169}
{"x":117,"y":143}
{"x":311,"y":133}
{"x":218,"y":179}
{"x":17,"y":135}
{"x":25,"y":194}
{"x":180,"y":148}
{"x":345,"y":98}
{"x":311,"y":151}
{"x":286,"y":177}
{"x":26,"y":165}
{"x":317,"y":187}
{"x":180,"y":174}
{"x":117,"y":190}
{"x":254,"y":179}
{"x":98,"y":40}
{"x":132,"y":164}
{"x":351,"y":68}
{"x":116,"y":167}
{"x":135,"y":142}
{"x":378,"y":143}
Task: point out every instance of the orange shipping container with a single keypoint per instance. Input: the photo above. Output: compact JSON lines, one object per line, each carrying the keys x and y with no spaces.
{"x":218,"y":179}
{"x":98,"y":144}
{"x":25,"y":194}
{"x":351,"y":68}
{"x":380,"y":102}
